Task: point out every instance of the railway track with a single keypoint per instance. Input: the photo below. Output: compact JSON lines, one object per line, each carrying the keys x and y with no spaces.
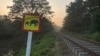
{"x":80,"y":47}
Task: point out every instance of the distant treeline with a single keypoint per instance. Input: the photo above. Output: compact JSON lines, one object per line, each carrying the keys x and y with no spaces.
{"x":83,"y":17}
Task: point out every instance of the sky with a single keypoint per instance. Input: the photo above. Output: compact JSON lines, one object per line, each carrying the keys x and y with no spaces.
{"x":58,"y":6}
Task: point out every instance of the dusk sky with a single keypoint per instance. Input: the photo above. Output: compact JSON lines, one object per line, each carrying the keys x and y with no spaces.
{"x":58,"y":6}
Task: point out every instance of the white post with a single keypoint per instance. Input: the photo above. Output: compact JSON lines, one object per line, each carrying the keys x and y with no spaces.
{"x":29,"y":41}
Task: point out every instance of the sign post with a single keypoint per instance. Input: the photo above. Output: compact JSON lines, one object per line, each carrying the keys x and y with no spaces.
{"x":31,"y":23}
{"x":29,"y":41}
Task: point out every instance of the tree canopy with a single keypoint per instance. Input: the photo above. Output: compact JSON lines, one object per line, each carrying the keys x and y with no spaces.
{"x":31,"y":6}
{"x":81,"y":16}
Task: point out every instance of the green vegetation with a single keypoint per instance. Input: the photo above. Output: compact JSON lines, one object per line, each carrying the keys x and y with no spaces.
{"x":37,"y":7}
{"x":11,"y":35}
{"x":95,"y":36}
{"x":83,"y":18}
{"x":42,"y":47}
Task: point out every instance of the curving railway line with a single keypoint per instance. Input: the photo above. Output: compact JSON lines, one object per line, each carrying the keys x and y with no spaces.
{"x":80,"y":47}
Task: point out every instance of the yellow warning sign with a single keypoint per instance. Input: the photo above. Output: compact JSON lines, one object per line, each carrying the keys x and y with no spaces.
{"x":31,"y":23}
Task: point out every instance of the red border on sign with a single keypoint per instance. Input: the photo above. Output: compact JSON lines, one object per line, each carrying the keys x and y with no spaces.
{"x":24,"y":20}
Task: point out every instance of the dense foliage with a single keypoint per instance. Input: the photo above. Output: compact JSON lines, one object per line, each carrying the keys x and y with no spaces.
{"x":43,"y":47}
{"x":11,"y":36}
{"x":83,"y":17}
{"x":30,"y":6}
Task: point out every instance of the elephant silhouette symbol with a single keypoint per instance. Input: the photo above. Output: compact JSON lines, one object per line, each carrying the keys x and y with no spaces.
{"x":35,"y":22}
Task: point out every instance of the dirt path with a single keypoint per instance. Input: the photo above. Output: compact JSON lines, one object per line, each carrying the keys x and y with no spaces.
{"x":61,"y":49}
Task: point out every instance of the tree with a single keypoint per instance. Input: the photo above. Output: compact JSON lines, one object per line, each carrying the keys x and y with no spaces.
{"x":40,"y":7}
{"x":80,"y":15}
{"x":75,"y":19}
{"x":95,"y":22}
{"x":1,"y":28}
{"x":93,"y":9}
{"x":46,"y":26}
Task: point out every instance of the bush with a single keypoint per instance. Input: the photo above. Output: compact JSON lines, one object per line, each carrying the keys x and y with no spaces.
{"x":42,"y":48}
{"x":96,"y":36}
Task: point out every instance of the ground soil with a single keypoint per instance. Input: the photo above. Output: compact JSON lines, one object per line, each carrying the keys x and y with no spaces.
{"x":61,"y":49}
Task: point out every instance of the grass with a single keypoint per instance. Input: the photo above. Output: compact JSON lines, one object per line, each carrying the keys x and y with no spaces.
{"x":42,"y":47}
{"x":60,"y":48}
{"x":94,"y":36}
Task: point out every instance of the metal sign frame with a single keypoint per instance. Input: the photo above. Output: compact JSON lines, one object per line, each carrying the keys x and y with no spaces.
{"x":24,"y":19}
